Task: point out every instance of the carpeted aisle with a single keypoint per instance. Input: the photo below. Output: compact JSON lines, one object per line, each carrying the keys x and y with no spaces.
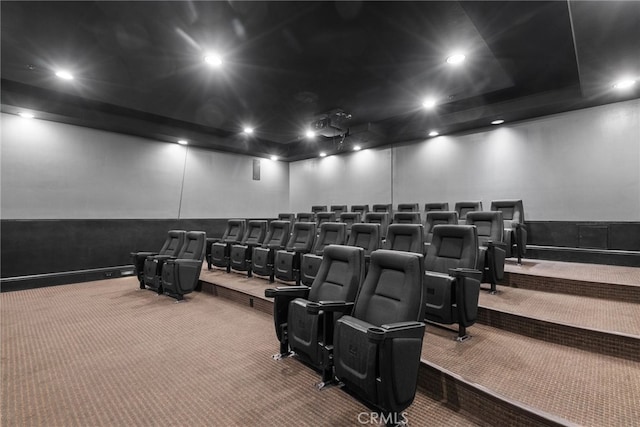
{"x":107,"y":354}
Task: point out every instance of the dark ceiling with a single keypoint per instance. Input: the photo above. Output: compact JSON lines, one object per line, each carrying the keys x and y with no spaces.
{"x":139,"y":66}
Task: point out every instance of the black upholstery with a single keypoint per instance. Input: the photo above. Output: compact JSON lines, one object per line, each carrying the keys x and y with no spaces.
{"x":180,"y":275}
{"x":492,"y":251}
{"x":241,"y":253}
{"x":408,"y":207}
{"x":338,"y":209}
{"x":407,"y":218}
{"x":515,"y":231}
{"x":381,"y":218}
{"x":331,"y":233}
{"x":462,"y":208}
{"x":434,"y":218}
{"x":451,"y":278}
{"x":262,"y":257}
{"x":339,"y":278}
{"x":322,"y":217}
{"x":376,"y":349}
{"x":361,"y":209}
{"x":382,"y":208}
{"x":436,"y":206}
{"x":366,"y":236}
{"x":170,"y":247}
{"x":232,"y":234}
{"x":349,"y":218}
{"x":219,"y":252}
{"x":405,"y":237}
{"x":318,"y":208}
{"x":287,"y":216}
{"x":287,"y":261}
{"x":306,"y":217}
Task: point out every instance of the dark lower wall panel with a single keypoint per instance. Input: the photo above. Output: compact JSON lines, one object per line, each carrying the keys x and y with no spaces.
{"x":49,"y":246}
{"x":621,"y":236}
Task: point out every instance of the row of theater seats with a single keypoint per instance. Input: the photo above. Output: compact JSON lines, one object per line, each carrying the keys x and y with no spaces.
{"x":175,"y":269}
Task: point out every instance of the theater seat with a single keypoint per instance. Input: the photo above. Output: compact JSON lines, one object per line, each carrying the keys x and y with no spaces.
{"x":388,"y":207}
{"x":331,"y":233}
{"x":305,"y":217}
{"x":462,"y":208}
{"x":408,"y":207}
{"x":170,"y":247}
{"x":349,"y":218}
{"x":322,"y":217}
{"x":366,"y":236}
{"x":180,"y":275}
{"x":286,"y":216}
{"x":407,"y":218}
{"x":492,"y":250}
{"x":515,"y":231}
{"x":219,"y":252}
{"x":241,"y":253}
{"x":338,"y":209}
{"x":377,"y":348}
{"x":286,"y":264}
{"x":361,"y":209}
{"x":233,"y":232}
{"x":318,"y":208}
{"x":434,"y":218}
{"x":339,"y":278}
{"x":436,"y":206}
{"x":381,"y":218}
{"x":451,"y":278}
{"x":405,"y":237}
{"x":262,"y":257}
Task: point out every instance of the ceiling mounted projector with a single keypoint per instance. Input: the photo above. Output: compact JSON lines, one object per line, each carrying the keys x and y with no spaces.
{"x":333,"y":123}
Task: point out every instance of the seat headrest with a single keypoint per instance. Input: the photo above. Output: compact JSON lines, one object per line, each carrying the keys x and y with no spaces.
{"x":405,"y":237}
{"x":512,"y":210}
{"x":408,"y":207}
{"x":452,"y":246}
{"x":489,"y":225}
{"x":436,"y":206}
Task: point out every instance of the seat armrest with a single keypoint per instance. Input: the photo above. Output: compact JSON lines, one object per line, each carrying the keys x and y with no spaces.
{"x":143,"y":253}
{"x":287,"y":291}
{"x":185,"y":262}
{"x":329,"y":306}
{"x":501,"y":245}
{"x":466,"y":272}
{"x":162,"y":257}
{"x":395,"y":330}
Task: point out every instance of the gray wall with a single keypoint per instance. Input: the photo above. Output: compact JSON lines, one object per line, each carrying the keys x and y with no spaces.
{"x":577,"y":166}
{"x":57,"y":171}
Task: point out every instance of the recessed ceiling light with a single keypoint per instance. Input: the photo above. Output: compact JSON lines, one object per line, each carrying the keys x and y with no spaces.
{"x":624,"y":84}
{"x":429,"y":103}
{"x":497,"y":122}
{"x":248,"y":130}
{"x":357,"y":148}
{"x":274,"y":158}
{"x":213,"y":59}
{"x":64,"y":75}
{"x":182,"y":142}
{"x":310,"y":134}
{"x":26,"y":115}
{"x":323,"y":154}
{"x":433,"y":133}
{"x":456,"y":58}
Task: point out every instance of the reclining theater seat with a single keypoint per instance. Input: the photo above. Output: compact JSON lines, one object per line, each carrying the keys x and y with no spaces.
{"x":361,"y":209}
{"x":408,"y":207}
{"x":462,"y":208}
{"x":287,"y":261}
{"x":349,"y":218}
{"x":284,"y":216}
{"x":318,"y":208}
{"x":376,"y":349}
{"x":366,"y":236}
{"x":436,"y":206}
{"x":180,"y":275}
{"x":233,"y":232}
{"x":339,"y":278}
{"x":219,"y":252}
{"x":451,"y":278}
{"x":331,"y":233}
{"x":338,"y":209}
{"x":322,"y":217}
{"x":262,"y":257}
{"x":381,"y":218}
{"x":240,"y":254}
{"x":434,"y":218}
{"x":515,"y":231}
{"x":405,"y":237}
{"x":388,"y":207}
{"x":492,"y":250}
{"x":306,"y":217}
{"x":170,"y":247}
{"x":407,"y":218}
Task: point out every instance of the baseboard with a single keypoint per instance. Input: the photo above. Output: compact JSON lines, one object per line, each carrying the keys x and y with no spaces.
{"x":19,"y":283}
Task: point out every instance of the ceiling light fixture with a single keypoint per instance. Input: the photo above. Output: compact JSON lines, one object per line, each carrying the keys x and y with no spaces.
{"x":456,"y":58}
{"x":274,"y":158}
{"x":213,"y":59}
{"x":433,"y":133}
{"x":26,"y":115}
{"x":248,"y":130}
{"x":497,"y":122}
{"x":182,"y":142}
{"x":357,"y":148}
{"x":429,"y":103}
{"x":624,"y":84}
{"x":323,"y":154}
{"x":64,"y":75}
{"x":310,"y":134}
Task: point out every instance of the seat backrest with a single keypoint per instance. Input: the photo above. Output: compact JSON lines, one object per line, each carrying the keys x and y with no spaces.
{"x":305,"y":217}
{"x":174,"y":242}
{"x":318,"y":208}
{"x":382,"y":208}
{"x":366,"y":236}
{"x":362,"y":209}
{"x":277,"y":235}
{"x":393,"y":289}
{"x":407,"y":218}
{"x":194,"y":246}
{"x":338,"y":209}
{"x":408,"y":207}
{"x":256,"y":231}
{"x":512,"y":211}
{"x":404,"y":237}
{"x":340,"y":275}
{"x":234,"y":231}
{"x":331,"y":233}
{"x":489,"y":226}
{"x":464,"y":207}
{"x":286,"y":216}
{"x":436,"y":206}
{"x":302,"y":237}
{"x":452,"y":246}
{"x":381,"y":218}
{"x":350,"y":218}
{"x":434,"y":218}
{"x":322,"y":217}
